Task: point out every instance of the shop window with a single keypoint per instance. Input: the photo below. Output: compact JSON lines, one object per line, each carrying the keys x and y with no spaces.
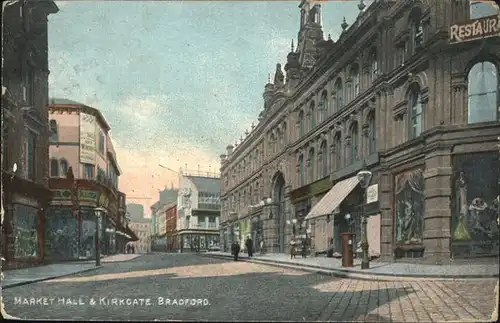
{"x":409,"y":195}
{"x":483,"y":85}
{"x":54,"y":167}
{"x":415,"y":112}
{"x":26,"y":235}
{"x":53,"y":131}
{"x":60,"y":234}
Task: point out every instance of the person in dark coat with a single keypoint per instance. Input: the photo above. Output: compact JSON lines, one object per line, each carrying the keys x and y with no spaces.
{"x":249,"y":245}
{"x":304,"y":248}
{"x":235,"y":250}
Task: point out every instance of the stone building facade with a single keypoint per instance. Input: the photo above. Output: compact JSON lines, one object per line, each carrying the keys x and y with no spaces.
{"x":394,"y":95}
{"x":25,"y":138}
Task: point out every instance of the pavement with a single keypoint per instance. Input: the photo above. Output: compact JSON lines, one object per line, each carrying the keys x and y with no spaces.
{"x":17,"y":277}
{"x":377,"y":271}
{"x":166,"y":286}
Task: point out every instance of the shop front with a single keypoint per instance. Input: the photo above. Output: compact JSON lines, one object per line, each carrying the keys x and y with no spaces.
{"x":198,"y":240}
{"x":475,"y":205}
{"x":245,"y":230}
{"x":71,"y":221}
{"x":23,"y":237}
{"x":257,"y":226}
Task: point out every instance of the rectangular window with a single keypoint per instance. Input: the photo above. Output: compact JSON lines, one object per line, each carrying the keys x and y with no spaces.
{"x":26,"y":234}
{"x":416,"y":115}
{"x":101,"y":142}
{"x":88,"y":171}
{"x":28,"y":86}
{"x":30,"y":154}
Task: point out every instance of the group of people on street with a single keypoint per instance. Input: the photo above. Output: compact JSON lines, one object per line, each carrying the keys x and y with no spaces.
{"x":293,"y":248}
{"x":236,"y":248}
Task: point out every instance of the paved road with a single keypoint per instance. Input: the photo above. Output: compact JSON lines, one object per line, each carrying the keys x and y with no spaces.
{"x":216,"y":289}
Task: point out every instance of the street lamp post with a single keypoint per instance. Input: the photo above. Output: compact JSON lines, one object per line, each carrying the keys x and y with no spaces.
{"x":99,"y":212}
{"x":364,"y":177}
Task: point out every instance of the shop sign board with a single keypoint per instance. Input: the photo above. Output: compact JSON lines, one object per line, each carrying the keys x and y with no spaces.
{"x":61,"y":194}
{"x":475,"y":29}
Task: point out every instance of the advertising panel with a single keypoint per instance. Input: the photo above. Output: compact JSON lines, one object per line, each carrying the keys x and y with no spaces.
{"x":87,"y":138}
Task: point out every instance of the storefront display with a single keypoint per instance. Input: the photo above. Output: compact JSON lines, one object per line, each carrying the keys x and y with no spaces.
{"x":61,"y":234}
{"x":25,"y":228}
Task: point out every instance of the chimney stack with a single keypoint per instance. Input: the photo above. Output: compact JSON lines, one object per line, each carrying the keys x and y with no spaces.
{"x":229,"y":149}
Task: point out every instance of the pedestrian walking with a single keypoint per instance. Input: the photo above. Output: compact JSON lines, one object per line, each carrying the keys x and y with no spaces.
{"x":292,"y":249}
{"x":235,"y":250}
{"x":304,"y":248}
{"x":249,"y":246}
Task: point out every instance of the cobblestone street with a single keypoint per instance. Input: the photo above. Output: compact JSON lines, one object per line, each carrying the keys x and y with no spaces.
{"x":216,"y":289}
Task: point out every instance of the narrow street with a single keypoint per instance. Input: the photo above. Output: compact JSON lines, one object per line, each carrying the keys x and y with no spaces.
{"x":190,"y":287}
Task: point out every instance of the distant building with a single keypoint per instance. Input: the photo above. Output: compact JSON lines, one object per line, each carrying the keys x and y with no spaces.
{"x":168,"y":197}
{"x":170,"y":228}
{"x":136,"y":211}
{"x":198,"y":211}
{"x":142,"y":229}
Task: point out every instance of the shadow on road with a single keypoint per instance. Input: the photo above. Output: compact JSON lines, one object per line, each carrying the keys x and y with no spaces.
{"x":236,"y":291}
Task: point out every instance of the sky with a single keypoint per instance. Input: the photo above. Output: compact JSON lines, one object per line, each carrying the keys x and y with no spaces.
{"x":177,"y":81}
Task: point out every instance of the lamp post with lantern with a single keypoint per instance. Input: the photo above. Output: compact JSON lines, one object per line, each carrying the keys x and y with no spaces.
{"x":99,"y":213}
{"x":364,"y":177}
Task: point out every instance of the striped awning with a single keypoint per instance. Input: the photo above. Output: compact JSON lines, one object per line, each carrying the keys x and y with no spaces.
{"x":333,"y":198}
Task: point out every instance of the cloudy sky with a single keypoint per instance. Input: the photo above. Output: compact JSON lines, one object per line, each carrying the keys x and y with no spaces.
{"x":177,"y":81}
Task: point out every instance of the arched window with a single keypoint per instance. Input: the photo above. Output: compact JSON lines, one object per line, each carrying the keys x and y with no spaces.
{"x":323,"y":160}
{"x":483,"y":85}
{"x":338,"y":152}
{"x":415,"y":112}
{"x":324,"y":106}
{"x":54,"y":168}
{"x":372,"y":143}
{"x":355,"y":81}
{"x":312,"y":111}
{"x":339,"y":95}
{"x":312,"y":166}
{"x":302,"y":178}
{"x":373,"y":64}
{"x":64,"y":167}
{"x":354,"y":143}
{"x":54,"y":137}
{"x":301,"y":123}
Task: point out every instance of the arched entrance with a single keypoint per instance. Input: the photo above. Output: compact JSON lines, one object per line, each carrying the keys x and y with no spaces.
{"x":279,"y":209}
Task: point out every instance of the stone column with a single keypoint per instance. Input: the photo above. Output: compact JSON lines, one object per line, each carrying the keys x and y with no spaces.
{"x":437,"y":215}
{"x":386,"y":195}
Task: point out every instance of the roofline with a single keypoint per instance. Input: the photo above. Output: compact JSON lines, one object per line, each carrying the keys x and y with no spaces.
{"x":98,"y":113}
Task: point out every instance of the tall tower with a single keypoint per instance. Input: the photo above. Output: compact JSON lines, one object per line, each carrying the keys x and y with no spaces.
{"x":310,"y":32}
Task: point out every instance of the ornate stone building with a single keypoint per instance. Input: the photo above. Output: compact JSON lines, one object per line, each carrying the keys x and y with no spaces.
{"x":394,"y":94}
{"x":25,"y":130}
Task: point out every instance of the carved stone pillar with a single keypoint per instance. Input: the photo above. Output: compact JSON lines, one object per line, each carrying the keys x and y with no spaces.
{"x":386,"y":196}
{"x":437,"y":215}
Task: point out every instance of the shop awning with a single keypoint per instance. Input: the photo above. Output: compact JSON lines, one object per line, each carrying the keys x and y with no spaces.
{"x":333,"y":198}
